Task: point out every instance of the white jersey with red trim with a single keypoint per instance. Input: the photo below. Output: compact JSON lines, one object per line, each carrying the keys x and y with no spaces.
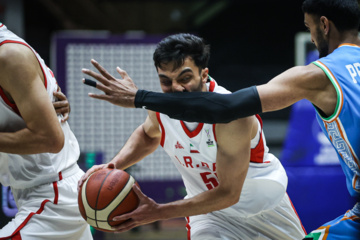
{"x":194,"y":155}
{"x":24,"y":171}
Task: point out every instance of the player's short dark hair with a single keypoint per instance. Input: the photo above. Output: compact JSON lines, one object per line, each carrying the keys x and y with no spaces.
{"x":345,"y":14}
{"x":176,"y":48}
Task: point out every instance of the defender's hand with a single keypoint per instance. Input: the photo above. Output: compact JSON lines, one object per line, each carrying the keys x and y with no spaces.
{"x":120,"y":92}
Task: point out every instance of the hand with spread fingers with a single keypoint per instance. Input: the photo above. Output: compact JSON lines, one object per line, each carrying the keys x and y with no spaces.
{"x":120,"y":92}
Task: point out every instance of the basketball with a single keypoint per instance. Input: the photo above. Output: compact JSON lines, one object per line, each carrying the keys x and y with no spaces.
{"x":105,"y":194}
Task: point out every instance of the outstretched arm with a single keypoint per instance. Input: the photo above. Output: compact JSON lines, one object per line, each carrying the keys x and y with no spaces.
{"x":297,"y":83}
{"x":195,"y":107}
{"x":303,"y":82}
{"x":204,"y":107}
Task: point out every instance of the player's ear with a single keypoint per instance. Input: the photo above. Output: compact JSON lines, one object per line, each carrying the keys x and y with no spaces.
{"x":324,"y":24}
{"x":204,"y":75}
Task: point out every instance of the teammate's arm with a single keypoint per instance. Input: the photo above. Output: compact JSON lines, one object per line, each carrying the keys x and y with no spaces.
{"x":21,"y":80}
{"x":233,"y":158}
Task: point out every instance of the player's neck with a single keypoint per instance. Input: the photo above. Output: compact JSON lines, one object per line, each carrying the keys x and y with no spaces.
{"x":191,"y":126}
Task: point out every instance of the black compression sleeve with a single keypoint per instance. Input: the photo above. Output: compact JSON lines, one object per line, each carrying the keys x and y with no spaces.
{"x":206,"y":107}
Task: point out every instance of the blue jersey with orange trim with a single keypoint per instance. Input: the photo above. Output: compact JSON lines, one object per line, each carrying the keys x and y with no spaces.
{"x":342,"y":128}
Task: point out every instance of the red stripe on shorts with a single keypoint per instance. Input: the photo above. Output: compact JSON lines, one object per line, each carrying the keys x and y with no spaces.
{"x":16,"y":234}
{"x":188,"y":228}
{"x":27,"y":220}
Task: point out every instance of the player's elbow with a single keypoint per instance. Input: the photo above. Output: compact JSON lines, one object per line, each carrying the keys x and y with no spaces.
{"x":55,"y":143}
{"x":231,"y":196}
{"x":234,"y":198}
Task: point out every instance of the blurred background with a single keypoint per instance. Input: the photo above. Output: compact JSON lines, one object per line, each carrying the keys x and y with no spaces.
{"x":251,"y":42}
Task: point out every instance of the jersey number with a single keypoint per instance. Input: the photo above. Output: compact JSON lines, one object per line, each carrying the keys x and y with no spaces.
{"x":209,"y":180}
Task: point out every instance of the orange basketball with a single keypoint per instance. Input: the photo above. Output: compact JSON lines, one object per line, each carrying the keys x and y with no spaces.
{"x":105,"y":194}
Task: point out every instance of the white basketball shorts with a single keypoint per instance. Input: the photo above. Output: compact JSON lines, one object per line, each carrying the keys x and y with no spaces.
{"x":49,"y":211}
{"x":279,"y":223}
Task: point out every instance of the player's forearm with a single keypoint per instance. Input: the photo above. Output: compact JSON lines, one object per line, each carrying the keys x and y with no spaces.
{"x":204,"y":107}
{"x":205,"y":202}
{"x":26,"y":141}
{"x":138,"y":146}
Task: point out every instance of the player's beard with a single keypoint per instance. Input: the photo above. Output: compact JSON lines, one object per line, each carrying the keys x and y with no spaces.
{"x":198,"y":88}
{"x":322,"y":44}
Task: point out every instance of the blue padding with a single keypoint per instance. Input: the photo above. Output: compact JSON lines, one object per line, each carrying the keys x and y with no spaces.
{"x":163,"y":191}
{"x":319,"y":194}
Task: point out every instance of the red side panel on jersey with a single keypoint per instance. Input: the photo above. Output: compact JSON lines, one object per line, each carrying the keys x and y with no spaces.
{"x":162,"y":141}
{"x":7,"y":101}
{"x":257,"y":153}
{"x":214,"y":132}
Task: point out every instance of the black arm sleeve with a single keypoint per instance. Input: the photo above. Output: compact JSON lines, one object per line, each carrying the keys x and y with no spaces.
{"x":206,"y":107}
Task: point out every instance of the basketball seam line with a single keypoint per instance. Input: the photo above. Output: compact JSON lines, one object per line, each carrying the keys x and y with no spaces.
{"x":97,"y":197}
{"x":123,"y":197}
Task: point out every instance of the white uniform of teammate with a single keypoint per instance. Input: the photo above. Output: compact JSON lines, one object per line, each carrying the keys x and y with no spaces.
{"x":264,"y":210}
{"x":44,"y":185}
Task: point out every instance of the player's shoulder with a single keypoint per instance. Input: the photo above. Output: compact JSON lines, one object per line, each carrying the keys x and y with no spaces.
{"x":14,"y":53}
{"x":307,"y":77}
{"x":310,"y":70}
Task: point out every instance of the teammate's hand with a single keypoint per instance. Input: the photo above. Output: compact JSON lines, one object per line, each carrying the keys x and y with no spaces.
{"x":91,"y":171}
{"x":62,"y":105}
{"x":120,"y":92}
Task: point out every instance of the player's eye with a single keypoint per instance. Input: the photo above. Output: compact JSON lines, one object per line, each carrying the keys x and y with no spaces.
{"x":166,"y":83}
{"x":185,"y":79}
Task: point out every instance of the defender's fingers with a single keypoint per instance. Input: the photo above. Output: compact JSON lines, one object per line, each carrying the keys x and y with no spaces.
{"x":97,"y":76}
{"x":122,"y":72}
{"x":100,"y":96}
{"x":97,"y":85}
{"x":102,"y":70}
{"x":89,"y":82}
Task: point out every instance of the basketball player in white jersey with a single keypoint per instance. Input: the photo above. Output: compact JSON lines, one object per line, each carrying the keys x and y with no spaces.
{"x":235,"y":188}
{"x":38,"y":151}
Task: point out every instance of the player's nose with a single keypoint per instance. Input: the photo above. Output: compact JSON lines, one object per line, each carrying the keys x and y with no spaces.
{"x":177,"y":87}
